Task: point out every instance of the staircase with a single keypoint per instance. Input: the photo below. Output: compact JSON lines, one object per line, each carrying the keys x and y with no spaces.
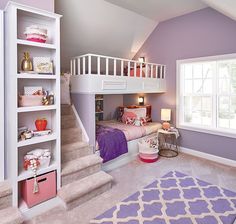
{"x":82,"y":178}
{"x":8,"y":214}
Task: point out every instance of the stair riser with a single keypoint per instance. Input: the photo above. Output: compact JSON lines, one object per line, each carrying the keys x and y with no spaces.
{"x":88,"y":196}
{"x":70,"y":137}
{"x":71,"y":155}
{"x":70,"y":123}
{"x":80,"y":174}
{"x":5,"y":201}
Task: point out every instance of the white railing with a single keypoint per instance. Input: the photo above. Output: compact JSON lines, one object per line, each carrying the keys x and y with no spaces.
{"x":92,"y":64}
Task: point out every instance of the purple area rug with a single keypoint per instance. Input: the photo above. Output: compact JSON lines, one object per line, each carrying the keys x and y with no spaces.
{"x":175,"y":198}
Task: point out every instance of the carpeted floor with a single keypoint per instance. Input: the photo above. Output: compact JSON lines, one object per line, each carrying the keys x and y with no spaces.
{"x":133,"y":177}
{"x":175,"y":198}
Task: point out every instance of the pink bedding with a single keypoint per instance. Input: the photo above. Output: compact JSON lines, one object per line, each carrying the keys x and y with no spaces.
{"x":133,"y":132}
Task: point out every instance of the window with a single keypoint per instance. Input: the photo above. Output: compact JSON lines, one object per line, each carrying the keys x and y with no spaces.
{"x":206,"y":94}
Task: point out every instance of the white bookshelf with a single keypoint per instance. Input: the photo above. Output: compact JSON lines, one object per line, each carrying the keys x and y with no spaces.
{"x":17,"y":18}
{"x":2,"y":153}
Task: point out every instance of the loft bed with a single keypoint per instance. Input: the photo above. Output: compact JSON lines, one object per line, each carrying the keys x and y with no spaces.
{"x":98,"y":74}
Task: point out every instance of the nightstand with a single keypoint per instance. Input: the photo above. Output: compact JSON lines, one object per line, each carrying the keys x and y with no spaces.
{"x":168,"y":142}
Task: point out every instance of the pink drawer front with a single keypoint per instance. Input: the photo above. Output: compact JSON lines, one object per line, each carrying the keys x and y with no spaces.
{"x":47,"y":189}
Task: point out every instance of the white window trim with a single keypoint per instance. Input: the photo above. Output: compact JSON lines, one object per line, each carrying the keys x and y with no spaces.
{"x":2,"y":154}
{"x":196,"y":128}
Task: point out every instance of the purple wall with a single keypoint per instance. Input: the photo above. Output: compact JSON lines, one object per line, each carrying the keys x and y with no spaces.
{"x":42,"y":4}
{"x":202,"y":33}
{"x":111,"y":103}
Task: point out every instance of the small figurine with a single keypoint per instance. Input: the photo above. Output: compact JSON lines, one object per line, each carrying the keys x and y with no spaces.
{"x":51,"y":98}
{"x":26,"y":64}
{"x":26,"y":135}
{"x":45,"y":100}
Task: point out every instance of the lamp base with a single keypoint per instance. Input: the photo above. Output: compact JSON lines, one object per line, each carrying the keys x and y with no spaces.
{"x":165,"y":125}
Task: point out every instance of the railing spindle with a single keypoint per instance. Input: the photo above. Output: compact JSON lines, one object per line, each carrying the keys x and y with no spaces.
{"x":164,"y":71}
{"x":84,"y":65}
{"x":107,"y":66}
{"x":89,"y":64}
{"x":156,"y":71}
{"x":114,"y":67}
{"x":160,"y":72}
{"x":135,"y":69}
{"x":98,"y":66}
{"x":146,"y":70}
{"x":71,"y":67}
{"x":74,"y":66}
{"x":141,"y":70}
{"x":151,"y":71}
{"x":122,"y":68}
{"x":78,"y":66}
{"x":128,"y":68}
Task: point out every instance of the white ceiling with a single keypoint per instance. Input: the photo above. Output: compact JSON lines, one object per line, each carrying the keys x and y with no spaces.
{"x":120,"y":27}
{"x":159,"y":10}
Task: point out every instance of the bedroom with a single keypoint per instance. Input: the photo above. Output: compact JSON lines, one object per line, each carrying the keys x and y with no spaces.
{"x":139,"y":35}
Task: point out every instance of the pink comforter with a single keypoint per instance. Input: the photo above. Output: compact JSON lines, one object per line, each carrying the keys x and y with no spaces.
{"x":132,"y":132}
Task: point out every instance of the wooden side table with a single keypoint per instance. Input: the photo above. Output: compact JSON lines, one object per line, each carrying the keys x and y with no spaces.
{"x":168,"y":143}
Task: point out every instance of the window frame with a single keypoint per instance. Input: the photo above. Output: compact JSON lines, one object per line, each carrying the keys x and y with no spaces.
{"x":193,"y":127}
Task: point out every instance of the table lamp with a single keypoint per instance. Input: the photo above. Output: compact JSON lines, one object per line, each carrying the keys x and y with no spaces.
{"x":165,"y":117}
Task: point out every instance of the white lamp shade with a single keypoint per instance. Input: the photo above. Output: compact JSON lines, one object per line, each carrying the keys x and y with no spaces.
{"x":141,"y":59}
{"x":165,"y":114}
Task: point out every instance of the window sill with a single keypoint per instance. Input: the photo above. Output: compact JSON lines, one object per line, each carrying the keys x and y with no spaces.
{"x":229,"y":134}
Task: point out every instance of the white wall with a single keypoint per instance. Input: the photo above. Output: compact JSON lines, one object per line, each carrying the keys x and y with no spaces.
{"x":1,"y":99}
{"x":97,"y":26}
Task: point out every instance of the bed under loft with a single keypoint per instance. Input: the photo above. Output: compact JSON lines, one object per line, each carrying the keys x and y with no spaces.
{"x":98,"y":74}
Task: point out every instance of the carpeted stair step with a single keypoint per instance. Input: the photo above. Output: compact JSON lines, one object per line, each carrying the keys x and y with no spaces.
{"x":70,"y":135}
{"x":10,"y":216}
{"x":75,"y":150}
{"x":68,"y":121}
{"x":82,"y":190}
{"x":66,"y":109}
{"x":5,"y":195}
{"x":80,"y":168}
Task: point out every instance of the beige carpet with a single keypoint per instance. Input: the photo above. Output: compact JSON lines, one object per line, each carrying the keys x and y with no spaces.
{"x":134,"y":176}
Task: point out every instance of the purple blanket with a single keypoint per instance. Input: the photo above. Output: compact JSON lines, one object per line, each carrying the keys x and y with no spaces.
{"x":112,"y":142}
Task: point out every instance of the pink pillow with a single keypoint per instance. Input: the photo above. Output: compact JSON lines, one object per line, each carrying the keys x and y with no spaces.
{"x":130,"y":121}
{"x":129,"y":115}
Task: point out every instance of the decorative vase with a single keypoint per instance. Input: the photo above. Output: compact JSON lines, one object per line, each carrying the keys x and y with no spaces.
{"x":41,"y":124}
{"x":26,"y":64}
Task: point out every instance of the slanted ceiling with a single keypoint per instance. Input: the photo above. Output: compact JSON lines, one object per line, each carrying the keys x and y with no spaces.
{"x":120,"y":27}
{"x":96,"y":26}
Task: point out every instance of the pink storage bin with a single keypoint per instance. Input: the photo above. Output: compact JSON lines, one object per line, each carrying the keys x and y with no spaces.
{"x":30,"y":100}
{"x":47,"y":189}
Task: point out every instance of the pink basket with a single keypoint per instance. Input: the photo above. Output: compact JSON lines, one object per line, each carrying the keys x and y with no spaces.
{"x":47,"y":189}
{"x":30,"y":100}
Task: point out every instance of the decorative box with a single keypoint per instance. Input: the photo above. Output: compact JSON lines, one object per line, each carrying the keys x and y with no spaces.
{"x":30,"y":100}
{"x":47,"y":189}
{"x":43,"y":65}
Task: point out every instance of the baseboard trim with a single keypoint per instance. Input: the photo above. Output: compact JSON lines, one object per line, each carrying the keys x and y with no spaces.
{"x":218,"y":159}
{"x":85,"y":137}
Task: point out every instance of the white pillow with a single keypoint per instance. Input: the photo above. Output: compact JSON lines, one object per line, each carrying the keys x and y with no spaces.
{"x":65,"y":89}
{"x":140,"y":112}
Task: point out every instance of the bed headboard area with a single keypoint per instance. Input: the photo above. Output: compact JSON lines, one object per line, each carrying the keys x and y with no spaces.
{"x":148,"y":111}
